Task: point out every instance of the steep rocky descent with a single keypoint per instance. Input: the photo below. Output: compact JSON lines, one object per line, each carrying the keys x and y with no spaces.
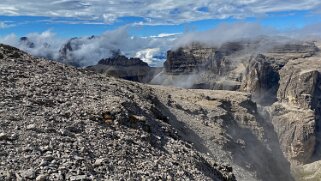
{"x":297,"y":115}
{"x":61,"y":123}
{"x":228,"y":126}
{"x":285,"y":74}
{"x":120,"y":66}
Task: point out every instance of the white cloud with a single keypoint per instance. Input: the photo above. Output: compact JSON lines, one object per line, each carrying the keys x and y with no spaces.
{"x":153,"y":12}
{"x":148,"y":55}
{"x":44,"y":44}
{"x":163,"y":35}
{"x":229,"y":32}
{"x":4,"y":25}
{"x":224,"y":33}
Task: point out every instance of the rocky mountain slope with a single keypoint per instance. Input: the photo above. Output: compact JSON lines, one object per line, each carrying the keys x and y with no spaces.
{"x":62,"y":123}
{"x":80,"y":124}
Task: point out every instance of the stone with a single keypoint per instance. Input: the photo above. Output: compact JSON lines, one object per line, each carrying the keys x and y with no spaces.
{"x":41,"y":177}
{"x":29,"y":174}
{"x":99,"y":162}
{"x":3,"y":136}
{"x":31,"y":127}
{"x":78,"y":178}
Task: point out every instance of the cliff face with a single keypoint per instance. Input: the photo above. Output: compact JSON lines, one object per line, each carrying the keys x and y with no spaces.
{"x":262,"y":78}
{"x":299,"y":97}
{"x":251,"y":66}
{"x":202,"y":67}
{"x":198,"y":58}
{"x":188,"y":60}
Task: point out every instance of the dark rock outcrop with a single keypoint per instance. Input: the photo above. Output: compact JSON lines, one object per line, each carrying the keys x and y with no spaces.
{"x":65,"y":52}
{"x":120,"y":66}
{"x":25,"y":41}
{"x":122,"y":61}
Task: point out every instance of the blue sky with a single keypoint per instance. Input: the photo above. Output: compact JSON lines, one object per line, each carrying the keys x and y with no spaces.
{"x":74,"y":18}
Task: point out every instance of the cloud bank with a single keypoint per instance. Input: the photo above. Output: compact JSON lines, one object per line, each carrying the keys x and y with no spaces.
{"x":228,"y":32}
{"x":85,"y":51}
{"x":152,"y":12}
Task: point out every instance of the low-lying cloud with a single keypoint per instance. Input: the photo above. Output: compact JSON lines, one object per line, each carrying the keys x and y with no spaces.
{"x":85,"y":51}
{"x":44,"y":44}
{"x":228,"y":32}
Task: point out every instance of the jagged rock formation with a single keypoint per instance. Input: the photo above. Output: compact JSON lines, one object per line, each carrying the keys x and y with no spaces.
{"x":284,"y":75}
{"x":27,"y":42}
{"x":61,"y":123}
{"x":65,"y":53}
{"x":120,"y":66}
